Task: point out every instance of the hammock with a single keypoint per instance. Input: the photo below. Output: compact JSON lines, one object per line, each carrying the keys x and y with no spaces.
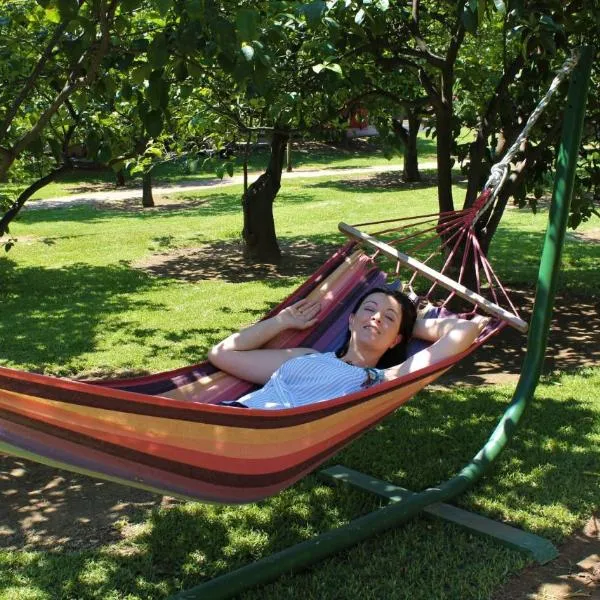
{"x":164,"y":433}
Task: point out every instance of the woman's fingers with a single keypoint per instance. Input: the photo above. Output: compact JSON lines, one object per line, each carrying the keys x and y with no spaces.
{"x":481,"y":321}
{"x":307,"y":309}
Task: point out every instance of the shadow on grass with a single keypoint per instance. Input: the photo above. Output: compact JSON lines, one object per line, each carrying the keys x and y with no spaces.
{"x":572,"y":343}
{"x":516,"y":255}
{"x":53,"y":315}
{"x":224,"y":260}
{"x":379,"y":182}
{"x":181,"y":545}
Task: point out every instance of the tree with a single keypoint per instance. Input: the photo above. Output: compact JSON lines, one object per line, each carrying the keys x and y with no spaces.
{"x":259,"y":68}
{"x":51,"y":53}
{"x":482,"y":66}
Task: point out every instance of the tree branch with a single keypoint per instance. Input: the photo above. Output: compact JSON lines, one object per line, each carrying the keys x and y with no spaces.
{"x":31,"y":80}
{"x":13,"y":211}
{"x":97,"y":52}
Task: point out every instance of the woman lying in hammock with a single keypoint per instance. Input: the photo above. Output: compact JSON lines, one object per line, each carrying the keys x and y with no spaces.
{"x":380,"y":327}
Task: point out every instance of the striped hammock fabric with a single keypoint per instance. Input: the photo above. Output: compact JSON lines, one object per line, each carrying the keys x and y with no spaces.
{"x":163,"y":432}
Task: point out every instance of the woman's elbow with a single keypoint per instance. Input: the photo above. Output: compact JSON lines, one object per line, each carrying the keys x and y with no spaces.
{"x":215,"y":354}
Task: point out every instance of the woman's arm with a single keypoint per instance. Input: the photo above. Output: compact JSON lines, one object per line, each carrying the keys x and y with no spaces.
{"x":450,"y":336}
{"x":241,"y":354}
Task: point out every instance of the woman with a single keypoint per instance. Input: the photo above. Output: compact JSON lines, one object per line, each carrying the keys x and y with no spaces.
{"x":379,"y":328}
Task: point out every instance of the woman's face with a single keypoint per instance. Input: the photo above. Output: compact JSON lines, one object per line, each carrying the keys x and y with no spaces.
{"x":376,"y":323}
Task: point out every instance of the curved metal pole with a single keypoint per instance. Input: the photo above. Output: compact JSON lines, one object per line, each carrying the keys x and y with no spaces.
{"x":313,"y":551}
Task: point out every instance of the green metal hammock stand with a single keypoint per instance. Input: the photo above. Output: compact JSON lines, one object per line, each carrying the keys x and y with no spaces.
{"x":404,"y":504}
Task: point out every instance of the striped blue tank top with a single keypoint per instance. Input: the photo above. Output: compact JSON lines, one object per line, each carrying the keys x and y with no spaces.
{"x":305,"y":380}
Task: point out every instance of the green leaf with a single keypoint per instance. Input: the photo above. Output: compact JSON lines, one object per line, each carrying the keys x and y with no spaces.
{"x":194,"y":9}
{"x":163,"y":6}
{"x":158,"y":53}
{"x":53,"y":15}
{"x":359,"y":17}
{"x":180,"y":70}
{"x":153,"y":122}
{"x":469,"y":20}
{"x":247,"y":23}
{"x":229,"y":168}
{"x":195,"y":70}
{"x":126,"y":91}
{"x":141,"y":73}
{"x":68,"y":9}
{"x":129,"y":5}
{"x":549,"y":23}
{"x":248,"y":52}
{"x":117,"y":166}
{"x":158,"y":90}
{"x":153,"y":151}
{"x":334,"y":67}
{"x":220,"y":171}
{"x":382,"y":4}
{"x":314,"y":11}
{"x":500,"y":6}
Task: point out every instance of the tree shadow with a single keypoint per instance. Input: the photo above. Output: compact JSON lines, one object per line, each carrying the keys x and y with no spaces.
{"x":377,"y":182}
{"x":58,"y":319}
{"x":44,"y":508}
{"x":572,"y":343}
{"x":224,"y":260}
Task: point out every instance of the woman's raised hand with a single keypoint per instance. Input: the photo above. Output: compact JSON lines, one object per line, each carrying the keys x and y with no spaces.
{"x":300,"y":315}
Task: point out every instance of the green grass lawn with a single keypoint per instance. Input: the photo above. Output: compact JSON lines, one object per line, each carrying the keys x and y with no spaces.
{"x":74,"y":304}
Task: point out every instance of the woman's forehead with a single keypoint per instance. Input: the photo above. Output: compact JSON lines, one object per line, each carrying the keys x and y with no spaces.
{"x":383,"y":301}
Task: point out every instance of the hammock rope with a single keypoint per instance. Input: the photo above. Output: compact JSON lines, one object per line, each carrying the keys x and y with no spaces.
{"x":500,"y":171}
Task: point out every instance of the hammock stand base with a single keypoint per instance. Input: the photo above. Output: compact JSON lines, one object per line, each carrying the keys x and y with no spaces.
{"x":310,"y":552}
{"x":540,"y":549}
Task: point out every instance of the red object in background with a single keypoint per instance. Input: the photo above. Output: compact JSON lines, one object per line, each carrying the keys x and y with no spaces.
{"x":359,"y":118}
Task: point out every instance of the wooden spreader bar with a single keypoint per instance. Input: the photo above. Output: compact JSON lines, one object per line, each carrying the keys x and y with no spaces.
{"x":436,"y":276}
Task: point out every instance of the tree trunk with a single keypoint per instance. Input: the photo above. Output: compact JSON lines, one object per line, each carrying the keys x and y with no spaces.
{"x":288,"y":156}
{"x":410,"y":171}
{"x":260,"y":241}
{"x":120,"y":176}
{"x":444,"y":157}
{"x":147,"y":199}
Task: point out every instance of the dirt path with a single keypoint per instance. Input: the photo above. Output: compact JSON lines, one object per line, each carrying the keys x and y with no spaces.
{"x":574,"y":574}
{"x":113,"y":196}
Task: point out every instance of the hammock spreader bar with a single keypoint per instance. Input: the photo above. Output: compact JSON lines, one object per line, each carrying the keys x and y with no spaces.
{"x":315,"y":550}
{"x":435,"y":276}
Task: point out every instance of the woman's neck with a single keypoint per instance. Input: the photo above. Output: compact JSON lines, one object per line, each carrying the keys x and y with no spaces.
{"x":361,"y":358}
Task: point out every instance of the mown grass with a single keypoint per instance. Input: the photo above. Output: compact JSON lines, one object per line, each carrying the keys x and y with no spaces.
{"x":72,"y":304}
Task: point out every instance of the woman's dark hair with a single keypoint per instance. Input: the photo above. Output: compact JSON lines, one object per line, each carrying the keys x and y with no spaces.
{"x":396,"y":354}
